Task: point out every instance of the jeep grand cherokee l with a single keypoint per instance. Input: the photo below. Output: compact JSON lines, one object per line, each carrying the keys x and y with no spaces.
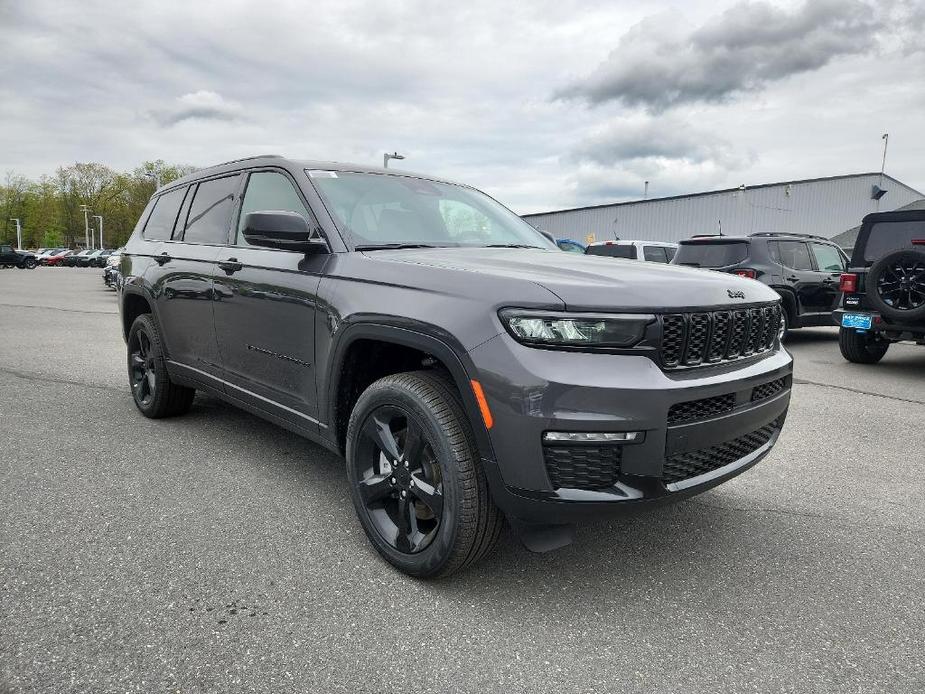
{"x":883,"y":291}
{"x":466,"y":369}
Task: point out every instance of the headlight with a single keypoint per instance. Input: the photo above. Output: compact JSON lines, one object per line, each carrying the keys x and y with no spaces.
{"x":576,"y":330}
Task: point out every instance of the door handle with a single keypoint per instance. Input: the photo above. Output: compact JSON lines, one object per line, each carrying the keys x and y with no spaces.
{"x":793,"y":278}
{"x":230,"y":266}
{"x":162,"y":258}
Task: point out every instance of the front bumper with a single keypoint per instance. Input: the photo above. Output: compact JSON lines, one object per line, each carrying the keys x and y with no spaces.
{"x":531,"y":391}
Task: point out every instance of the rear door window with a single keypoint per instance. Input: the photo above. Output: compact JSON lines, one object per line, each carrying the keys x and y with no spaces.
{"x":711,"y":253}
{"x":795,"y":255}
{"x":159,"y":226}
{"x":828,"y":258}
{"x":209,"y":216}
{"x":886,"y":237}
{"x":613,"y":250}
{"x":655,"y":254}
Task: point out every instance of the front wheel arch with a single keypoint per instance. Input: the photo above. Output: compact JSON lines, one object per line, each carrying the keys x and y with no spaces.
{"x":454,"y":359}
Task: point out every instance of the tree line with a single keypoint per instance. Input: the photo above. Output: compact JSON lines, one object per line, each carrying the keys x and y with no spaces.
{"x":49,"y":209}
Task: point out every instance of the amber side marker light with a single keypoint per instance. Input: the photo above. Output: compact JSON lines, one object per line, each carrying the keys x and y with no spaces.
{"x":483,"y":403}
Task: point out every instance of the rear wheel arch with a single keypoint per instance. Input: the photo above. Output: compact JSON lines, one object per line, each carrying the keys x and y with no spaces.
{"x":344,"y":388}
{"x":134,"y":304}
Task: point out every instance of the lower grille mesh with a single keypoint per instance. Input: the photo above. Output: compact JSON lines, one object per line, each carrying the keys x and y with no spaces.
{"x":693,"y":463}
{"x":701,"y":409}
{"x":582,"y":467}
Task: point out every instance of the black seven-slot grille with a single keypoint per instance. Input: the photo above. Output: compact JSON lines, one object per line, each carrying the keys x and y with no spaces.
{"x":582,"y":467}
{"x":706,"y":408}
{"x":692,"y":339}
{"x":683,"y":466}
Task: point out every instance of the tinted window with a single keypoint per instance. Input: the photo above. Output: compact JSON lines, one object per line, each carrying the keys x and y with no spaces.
{"x":655,"y":254}
{"x":886,"y":237}
{"x":794,"y":254}
{"x":268,"y":190}
{"x":160,"y":223}
{"x":711,"y":253}
{"x":828,"y":258}
{"x":612,"y":250}
{"x":210,"y":212}
{"x":670,"y":251}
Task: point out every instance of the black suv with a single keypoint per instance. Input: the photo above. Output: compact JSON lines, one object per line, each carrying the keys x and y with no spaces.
{"x":10,"y":257}
{"x":465,"y":368}
{"x":804,"y":270}
{"x":884,"y":289}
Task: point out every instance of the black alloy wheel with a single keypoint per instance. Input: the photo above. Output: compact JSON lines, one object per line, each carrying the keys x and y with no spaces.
{"x":141,"y":368}
{"x":154,"y":393}
{"x":399,"y":479}
{"x":897,"y":283}
{"x":902,"y":284}
{"x":416,"y":477}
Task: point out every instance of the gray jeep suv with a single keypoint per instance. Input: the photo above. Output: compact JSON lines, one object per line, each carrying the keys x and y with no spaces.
{"x":466,"y":369}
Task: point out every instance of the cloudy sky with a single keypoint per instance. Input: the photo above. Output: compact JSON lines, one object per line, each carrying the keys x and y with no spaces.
{"x":544,"y":104}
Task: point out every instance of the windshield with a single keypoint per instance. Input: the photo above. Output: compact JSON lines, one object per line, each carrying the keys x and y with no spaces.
{"x":381,"y":210}
{"x":711,"y":253}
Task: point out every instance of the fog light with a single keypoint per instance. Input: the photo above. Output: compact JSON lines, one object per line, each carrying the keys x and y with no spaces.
{"x":590,"y":436}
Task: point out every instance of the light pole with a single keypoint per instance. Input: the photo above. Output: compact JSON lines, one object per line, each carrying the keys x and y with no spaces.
{"x":100,"y":217}
{"x":387,"y":156}
{"x":156,"y":175}
{"x":886,"y":141}
{"x":86,"y":211}
{"x":18,"y":232}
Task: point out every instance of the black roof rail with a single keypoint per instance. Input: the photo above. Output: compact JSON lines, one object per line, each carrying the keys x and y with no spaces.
{"x":788,"y":233}
{"x":258,"y":156}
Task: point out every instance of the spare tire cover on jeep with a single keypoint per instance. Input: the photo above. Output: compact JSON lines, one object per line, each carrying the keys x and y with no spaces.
{"x":896,"y":285}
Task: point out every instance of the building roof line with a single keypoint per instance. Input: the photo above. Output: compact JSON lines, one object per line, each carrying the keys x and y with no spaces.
{"x":723,"y":190}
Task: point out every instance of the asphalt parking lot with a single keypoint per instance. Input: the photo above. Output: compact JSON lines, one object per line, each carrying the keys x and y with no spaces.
{"x":216,"y":552}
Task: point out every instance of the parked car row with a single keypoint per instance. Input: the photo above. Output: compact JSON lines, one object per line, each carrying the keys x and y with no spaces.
{"x":876,"y":298}
{"x":70,"y":258}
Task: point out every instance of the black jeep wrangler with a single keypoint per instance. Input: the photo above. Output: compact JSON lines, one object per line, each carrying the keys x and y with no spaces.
{"x":883,"y":291}
{"x":10,"y":257}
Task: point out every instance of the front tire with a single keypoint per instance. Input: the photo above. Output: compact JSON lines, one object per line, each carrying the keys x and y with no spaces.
{"x":415,"y":477}
{"x":861,"y":348}
{"x":155,"y":395}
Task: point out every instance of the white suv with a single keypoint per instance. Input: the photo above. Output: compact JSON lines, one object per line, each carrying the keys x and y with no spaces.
{"x":652,"y":251}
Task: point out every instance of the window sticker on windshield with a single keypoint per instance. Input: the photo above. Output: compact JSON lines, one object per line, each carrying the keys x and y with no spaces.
{"x":322,"y":174}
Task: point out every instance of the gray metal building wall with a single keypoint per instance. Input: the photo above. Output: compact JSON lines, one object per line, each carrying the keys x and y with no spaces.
{"x":826,"y":207}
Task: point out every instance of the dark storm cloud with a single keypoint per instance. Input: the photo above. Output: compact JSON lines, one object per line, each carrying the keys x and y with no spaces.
{"x":201,"y":105}
{"x":658,"y":63}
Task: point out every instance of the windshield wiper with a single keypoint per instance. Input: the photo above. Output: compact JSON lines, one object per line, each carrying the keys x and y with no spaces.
{"x":511,"y":245}
{"x":393,"y":246}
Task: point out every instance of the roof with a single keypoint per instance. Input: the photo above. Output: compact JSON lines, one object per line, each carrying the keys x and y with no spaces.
{"x":278,"y":160}
{"x":721,"y":191}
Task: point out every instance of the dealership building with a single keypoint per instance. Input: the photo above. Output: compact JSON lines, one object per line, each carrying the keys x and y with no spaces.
{"x":824,"y":206}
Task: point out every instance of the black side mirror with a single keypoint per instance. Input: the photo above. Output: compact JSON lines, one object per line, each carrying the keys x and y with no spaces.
{"x":281,"y":229}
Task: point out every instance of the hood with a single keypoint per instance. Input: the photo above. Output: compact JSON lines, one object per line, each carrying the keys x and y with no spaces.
{"x":593,"y":283}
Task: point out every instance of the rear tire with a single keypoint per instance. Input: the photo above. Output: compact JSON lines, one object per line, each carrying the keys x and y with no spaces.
{"x":155,"y":395}
{"x":861,"y":348}
{"x":437,"y":516}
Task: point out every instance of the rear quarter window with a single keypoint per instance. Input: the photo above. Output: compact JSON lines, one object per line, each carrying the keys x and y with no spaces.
{"x":159,"y":226}
{"x":711,"y":253}
{"x":886,"y":237}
